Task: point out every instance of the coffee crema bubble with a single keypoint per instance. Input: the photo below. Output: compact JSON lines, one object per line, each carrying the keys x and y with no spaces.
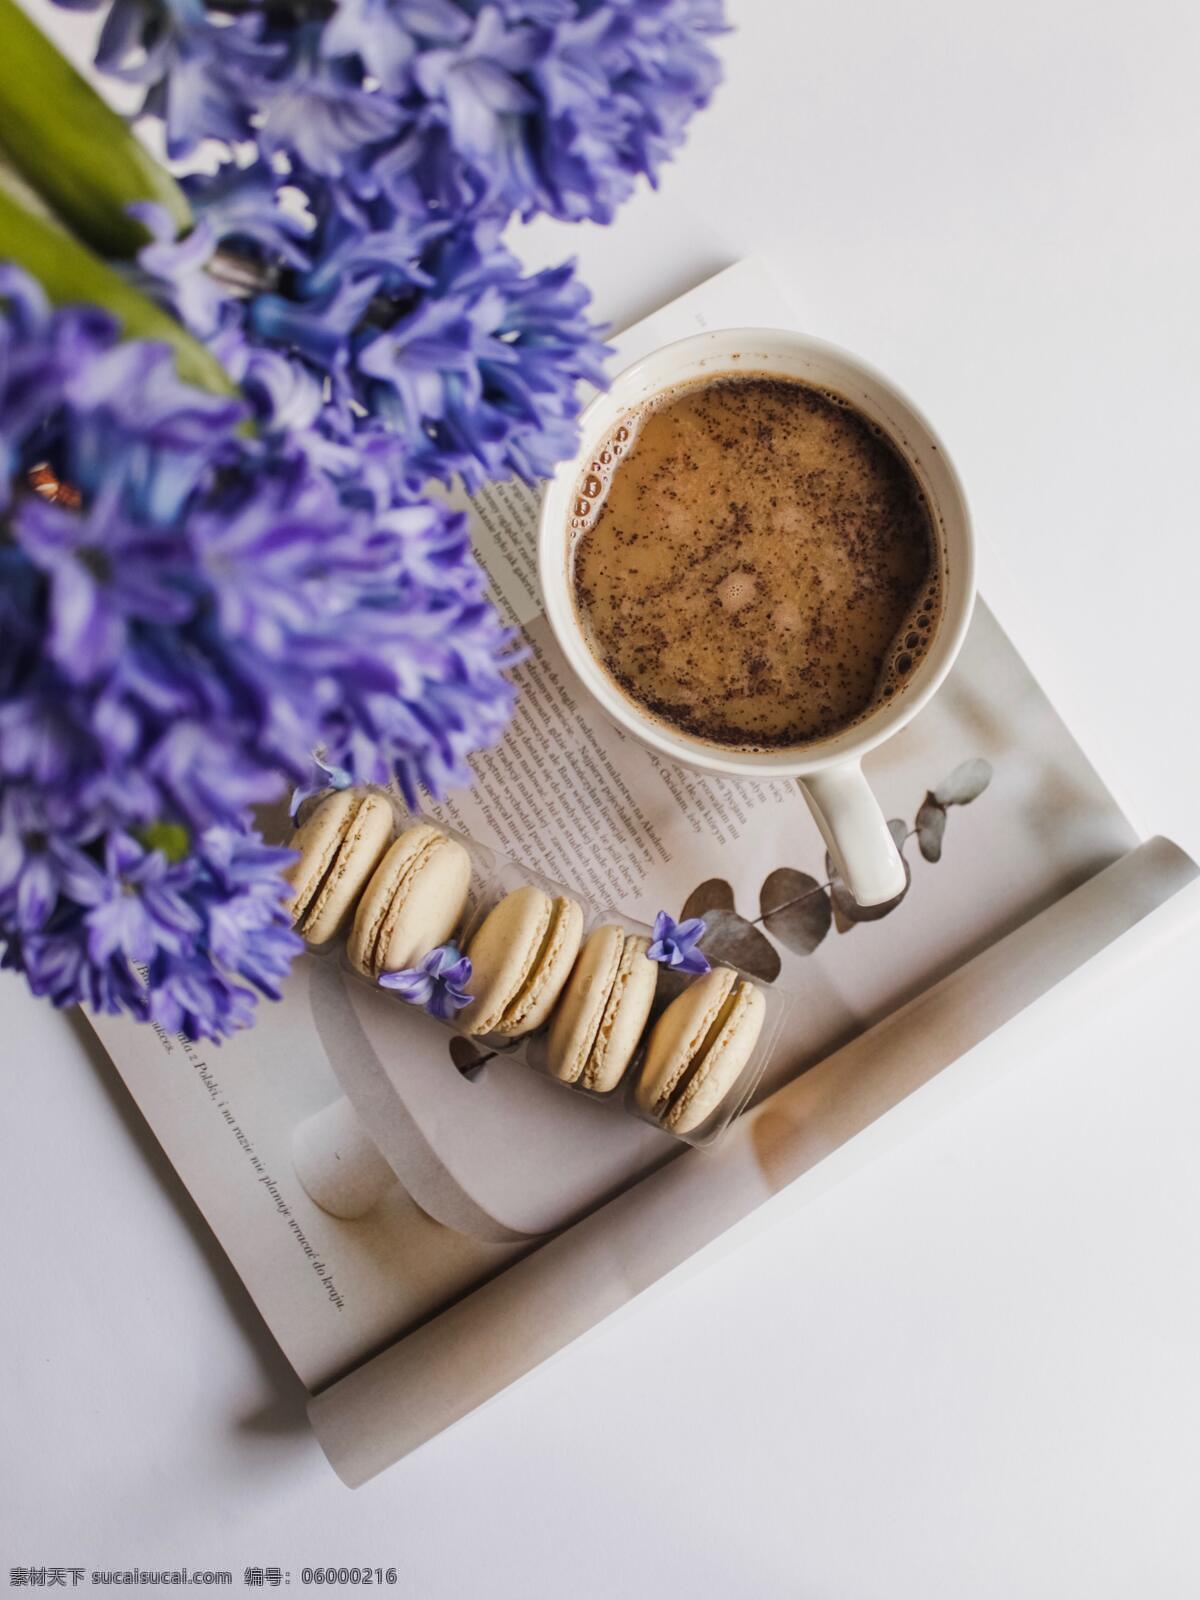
{"x":593,"y":484}
{"x":754,"y":562}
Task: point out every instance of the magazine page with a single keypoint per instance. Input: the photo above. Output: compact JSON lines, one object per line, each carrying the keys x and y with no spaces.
{"x":806,"y":1136}
{"x":574,"y":797}
{"x":565,"y":792}
{"x":488,"y":1162}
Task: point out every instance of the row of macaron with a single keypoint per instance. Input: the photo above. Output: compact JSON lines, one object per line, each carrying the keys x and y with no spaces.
{"x":528,"y":965}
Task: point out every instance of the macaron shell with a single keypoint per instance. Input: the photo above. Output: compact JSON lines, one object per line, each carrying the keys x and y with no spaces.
{"x":357,"y":855}
{"x":316,"y":843}
{"x":377,"y":898}
{"x":584,"y":1001}
{"x":678,"y":1035}
{"x":503,"y":951}
{"x":723,"y":1062}
{"x":427,"y":907}
{"x":535,"y":1000}
{"x":374,"y":921}
{"x":625,"y":1017}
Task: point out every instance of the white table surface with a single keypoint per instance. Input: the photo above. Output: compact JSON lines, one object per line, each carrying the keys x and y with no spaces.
{"x":970,"y":1370}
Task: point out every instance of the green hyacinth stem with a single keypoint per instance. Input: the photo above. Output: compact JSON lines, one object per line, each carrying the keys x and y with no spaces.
{"x":71,"y":148}
{"x":71,"y":275}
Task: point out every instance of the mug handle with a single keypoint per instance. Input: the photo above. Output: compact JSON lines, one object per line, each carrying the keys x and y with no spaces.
{"x":853,"y":827}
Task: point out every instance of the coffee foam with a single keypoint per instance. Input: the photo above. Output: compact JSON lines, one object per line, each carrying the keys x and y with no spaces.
{"x":592,"y":487}
{"x":738,"y":590}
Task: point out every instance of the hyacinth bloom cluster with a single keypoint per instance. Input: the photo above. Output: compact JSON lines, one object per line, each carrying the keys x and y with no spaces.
{"x":375,"y":151}
{"x":207,"y":601}
{"x":554,"y":106}
{"x":187,"y":610}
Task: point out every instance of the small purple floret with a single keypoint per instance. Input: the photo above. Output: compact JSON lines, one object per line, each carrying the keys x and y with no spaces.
{"x":437,"y":982}
{"x":676,"y":944}
{"x":323,"y":777}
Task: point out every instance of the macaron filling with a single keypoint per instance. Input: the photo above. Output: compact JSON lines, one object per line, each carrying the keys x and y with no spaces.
{"x":337,"y":847}
{"x":581,"y":1006}
{"x":536,"y":972}
{"x":503,"y":952}
{"x":341,"y":858}
{"x":380,"y":936}
{"x":309,"y":893}
{"x":670,"y":1101}
{"x":594,"y":1057}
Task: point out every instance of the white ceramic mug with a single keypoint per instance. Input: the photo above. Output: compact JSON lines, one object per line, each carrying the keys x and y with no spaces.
{"x":829,"y":770}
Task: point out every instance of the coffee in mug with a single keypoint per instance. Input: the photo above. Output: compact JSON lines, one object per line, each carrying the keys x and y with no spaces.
{"x":755,"y":640}
{"x":754,"y":563}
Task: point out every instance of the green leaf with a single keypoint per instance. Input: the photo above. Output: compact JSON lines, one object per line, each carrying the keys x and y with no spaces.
{"x":72,"y":148}
{"x":71,"y":275}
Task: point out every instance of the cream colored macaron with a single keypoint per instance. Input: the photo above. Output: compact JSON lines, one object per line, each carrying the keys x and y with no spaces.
{"x":340,"y":845}
{"x":699,"y":1048}
{"x":413,"y":903}
{"x":521,"y":955}
{"x":603,"y":1010}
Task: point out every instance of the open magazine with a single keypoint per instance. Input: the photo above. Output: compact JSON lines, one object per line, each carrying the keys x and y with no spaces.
{"x":521,"y":1214}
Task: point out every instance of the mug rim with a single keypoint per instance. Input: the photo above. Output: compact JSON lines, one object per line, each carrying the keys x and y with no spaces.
{"x":554,"y":534}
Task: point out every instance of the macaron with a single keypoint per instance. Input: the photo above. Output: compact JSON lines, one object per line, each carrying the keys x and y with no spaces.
{"x":340,"y":845}
{"x":521,"y":956}
{"x":413,"y":902}
{"x":698,"y":1049}
{"x":603,"y":1010}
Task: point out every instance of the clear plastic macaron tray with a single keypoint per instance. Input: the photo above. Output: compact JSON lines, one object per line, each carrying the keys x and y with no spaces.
{"x":606,"y":1005}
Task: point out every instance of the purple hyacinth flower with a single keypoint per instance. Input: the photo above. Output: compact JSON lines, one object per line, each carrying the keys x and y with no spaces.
{"x":198,"y":73}
{"x":177,"y":268}
{"x":241,"y":205}
{"x":375,"y":31}
{"x":324,"y":777}
{"x":676,"y":943}
{"x":145,"y":906}
{"x":477,"y":82}
{"x":285,"y":395}
{"x":137,"y":426}
{"x":103,"y":572}
{"x":242,"y":896}
{"x":317,"y":113}
{"x":436,"y":982}
{"x":39,"y":863}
